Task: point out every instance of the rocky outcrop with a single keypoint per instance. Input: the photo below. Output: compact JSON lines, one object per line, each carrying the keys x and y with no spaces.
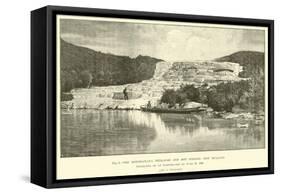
{"x":203,"y":72}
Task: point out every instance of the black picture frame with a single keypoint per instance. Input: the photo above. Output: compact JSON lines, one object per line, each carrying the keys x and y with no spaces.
{"x":43,"y":96}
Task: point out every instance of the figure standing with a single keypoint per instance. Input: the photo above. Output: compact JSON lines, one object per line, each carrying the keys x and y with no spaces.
{"x":148,"y":104}
{"x":125,"y":94}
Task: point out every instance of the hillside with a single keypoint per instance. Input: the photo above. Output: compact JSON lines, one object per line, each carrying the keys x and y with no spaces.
{"x":223,"y":75}
{"x":82,"y":68}
{"x":251,"y":61}
{"x":167,"y":75}
{"x":253,"y":67}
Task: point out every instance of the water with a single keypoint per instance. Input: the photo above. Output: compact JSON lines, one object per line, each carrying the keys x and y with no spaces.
{"x":111,"y":132}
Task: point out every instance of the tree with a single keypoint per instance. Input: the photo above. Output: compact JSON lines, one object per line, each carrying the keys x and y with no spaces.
{"x":69,"y":80}
{"x":181,"y":98}
{"x":226,"y":95}
{"x":203,"y":90}
{"x":170,"y":97}
{"x":219,"y":101}
{"x":190,"y":91}
{"x":86,"y":79}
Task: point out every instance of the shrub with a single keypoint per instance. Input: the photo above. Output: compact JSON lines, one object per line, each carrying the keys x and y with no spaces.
{"x":66,"y":96}
{"x":219,"y":101}
{"x":184,"y":94}
{"x":190,"y":92}
{"x":225,"y":96}
{"x":169,"y":97}
{"x":85,"y":79}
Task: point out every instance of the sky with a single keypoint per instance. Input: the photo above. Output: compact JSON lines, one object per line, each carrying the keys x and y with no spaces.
{"x":167,"y":42}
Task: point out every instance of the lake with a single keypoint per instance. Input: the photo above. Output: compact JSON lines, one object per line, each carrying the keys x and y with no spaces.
{"x":110,"y":132}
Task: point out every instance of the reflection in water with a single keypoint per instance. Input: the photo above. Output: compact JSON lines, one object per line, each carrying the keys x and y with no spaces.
{"x":110,"y":132}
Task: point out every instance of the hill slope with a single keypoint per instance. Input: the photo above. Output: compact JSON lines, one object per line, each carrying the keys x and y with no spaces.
{"x":82,"y":67}
{"x":253,"y":67}
{"x":252,"y":62}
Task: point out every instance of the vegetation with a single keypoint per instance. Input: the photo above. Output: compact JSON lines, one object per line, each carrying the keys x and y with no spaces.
{"x":82,"y":68}
{"x":184,"y":94}
{"x":66,"y":96}
{"x":190,"y":92}
{"x":251,"y":61}
{"x":253,"y":68}
{"x":225,"y":96}
{"x":222,"y":97}
{"x":170,"y":97}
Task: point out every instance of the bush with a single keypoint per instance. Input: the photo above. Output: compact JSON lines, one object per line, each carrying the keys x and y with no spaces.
{"x":85,"y":78}
{"x":66,"y":96}
{"x":218,"y":101}
{"x":190,"y":92}
{"x":169,"y":97}
{"x":181,"y":98}
{"x":184,"y":94}
{"x":247,"y":94}
{"x":225,"y":96}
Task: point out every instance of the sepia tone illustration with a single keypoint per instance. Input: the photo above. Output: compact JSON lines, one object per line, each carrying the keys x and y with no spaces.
{"x":132,"y":87}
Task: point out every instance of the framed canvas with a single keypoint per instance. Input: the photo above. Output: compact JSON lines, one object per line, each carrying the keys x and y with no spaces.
{"x":126,"y":96}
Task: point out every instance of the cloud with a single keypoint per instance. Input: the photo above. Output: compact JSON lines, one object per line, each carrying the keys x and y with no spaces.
{"x":168,"y":42}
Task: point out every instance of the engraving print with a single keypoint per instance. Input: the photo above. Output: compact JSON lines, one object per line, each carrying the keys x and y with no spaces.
{"x":132,"y":87}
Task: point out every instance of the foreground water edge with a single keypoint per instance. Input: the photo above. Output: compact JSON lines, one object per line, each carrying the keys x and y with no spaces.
{"x":88,"y":132}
